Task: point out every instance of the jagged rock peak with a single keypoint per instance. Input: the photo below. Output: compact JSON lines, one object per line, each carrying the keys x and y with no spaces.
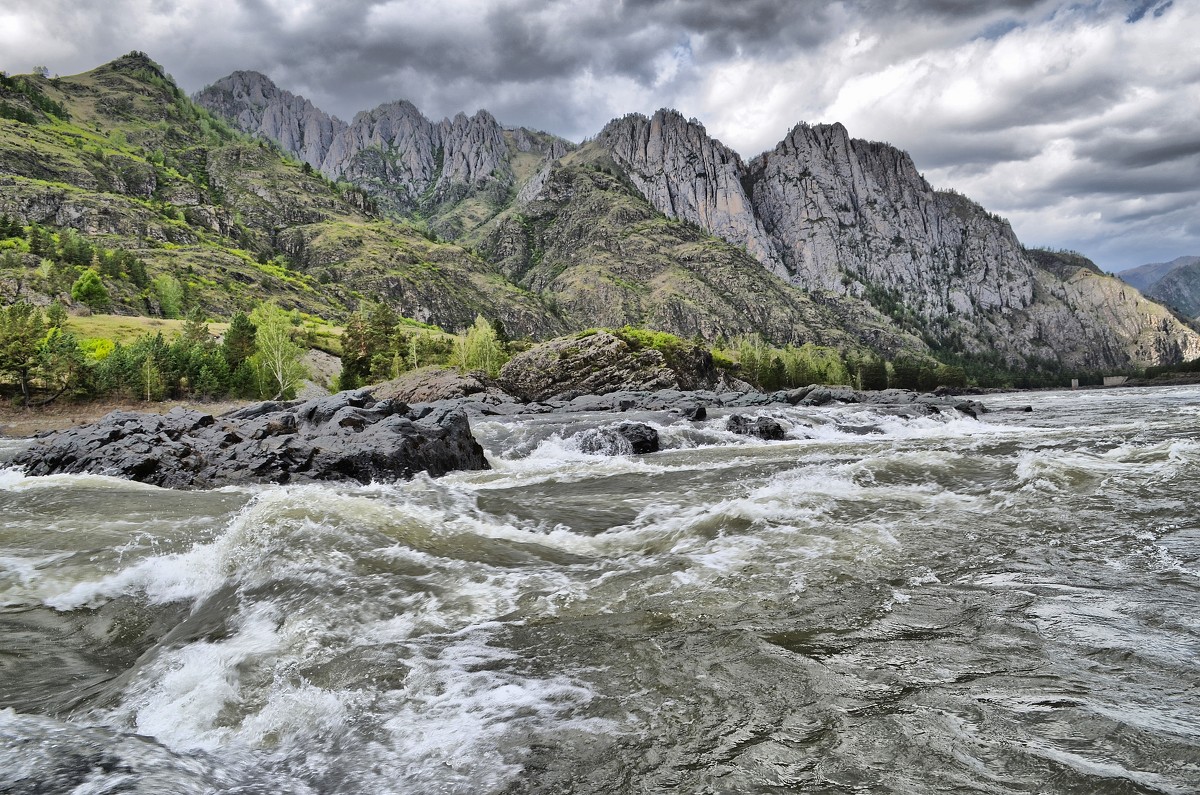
{"x":396,"y":109}
{"x":687,"y":174}
{"x":401,"y":157}
{"x":257,"y":106}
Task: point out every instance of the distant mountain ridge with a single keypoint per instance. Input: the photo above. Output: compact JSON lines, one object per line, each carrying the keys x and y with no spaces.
{"x":1175,"y":283}
{"x":404,"y":160}
{"x":824,"y":239}
{"x":851,"y":223}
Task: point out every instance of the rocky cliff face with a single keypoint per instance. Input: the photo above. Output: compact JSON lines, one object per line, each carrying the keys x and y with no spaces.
{"x":603,"y":256}
{"x":256,"y":105}
{"x":688,"y":175}
{"x":405,"y":160}
{"x":1105,"y":314}
{"x":850,"y":216}
{"x":856,"y":219}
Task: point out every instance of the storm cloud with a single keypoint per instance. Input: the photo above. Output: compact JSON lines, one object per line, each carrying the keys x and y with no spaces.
{"x":1077,"y":121}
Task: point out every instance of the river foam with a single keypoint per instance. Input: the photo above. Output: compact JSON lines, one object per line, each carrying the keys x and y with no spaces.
{"x":881,"y":601}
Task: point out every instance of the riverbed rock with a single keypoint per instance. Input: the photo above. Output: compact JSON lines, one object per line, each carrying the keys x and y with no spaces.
{"x":626,"y":438}
{"x":759,"y":427}
{"x":348,"y":436}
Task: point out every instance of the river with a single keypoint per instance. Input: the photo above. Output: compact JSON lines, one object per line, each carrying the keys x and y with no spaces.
{"x":879,"y":604}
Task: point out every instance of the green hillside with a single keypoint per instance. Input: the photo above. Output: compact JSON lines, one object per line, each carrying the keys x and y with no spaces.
{"x":174,"y":204}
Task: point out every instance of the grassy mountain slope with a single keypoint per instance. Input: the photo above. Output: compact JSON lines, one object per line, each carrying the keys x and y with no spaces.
{"x":120,"y":155}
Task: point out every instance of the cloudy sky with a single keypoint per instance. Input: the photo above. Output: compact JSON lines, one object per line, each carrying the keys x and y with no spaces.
{"x":1080,"y":122}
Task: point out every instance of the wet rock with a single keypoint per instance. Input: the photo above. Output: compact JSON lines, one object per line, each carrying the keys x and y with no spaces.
{"x":348,"y":436}
{"x":859,"y":430}
{"x":970,"y":408}
{"x":641,"y":437}
{"x":760,"y":427}
{"x":627,"y":438}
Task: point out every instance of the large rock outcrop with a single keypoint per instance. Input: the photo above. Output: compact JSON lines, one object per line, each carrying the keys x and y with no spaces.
{"x":602,"y":362}
{"x":686,"y":174}
{"x":254,"y":104}
{"x":589,"y":240}
{"x":348,"y":436}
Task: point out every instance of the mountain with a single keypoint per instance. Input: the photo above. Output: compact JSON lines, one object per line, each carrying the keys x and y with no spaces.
{"x":826,"y":236}
{"x":855,"y":219}
{"x":1175,"y":283}
{"x":589,"y":238}
{"x":122,"y":157}
{"x":823,"y":239}
{"x":402,"y":159}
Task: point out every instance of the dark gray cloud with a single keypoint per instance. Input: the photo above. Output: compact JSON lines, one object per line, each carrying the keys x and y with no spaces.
{"x":1075,"y":119}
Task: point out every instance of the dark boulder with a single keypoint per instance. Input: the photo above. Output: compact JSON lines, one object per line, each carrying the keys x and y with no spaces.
{"x":760,"y":427}
{"x":626,"y":438}
{"x":971,"y":408}
{"x":347,"y":436}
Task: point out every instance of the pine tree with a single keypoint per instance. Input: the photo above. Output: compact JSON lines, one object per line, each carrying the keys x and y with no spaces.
{"x":56,"y":315}
{"x":195,"y":329}
{"x":239,"y":342}
{"x":22,"y":329}
{"x":356,"y":351}
{"x":60,"y":361}
{"x":41,"y":244}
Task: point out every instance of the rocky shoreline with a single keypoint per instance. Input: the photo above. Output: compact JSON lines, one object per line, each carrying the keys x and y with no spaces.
{"x":350,"y":436}
{"x":367,"y":435}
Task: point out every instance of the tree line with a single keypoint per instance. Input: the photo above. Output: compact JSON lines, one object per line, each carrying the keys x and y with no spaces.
{"x":770,"y":368}
{"x":41,"y":360}
{"x":378,"y":344}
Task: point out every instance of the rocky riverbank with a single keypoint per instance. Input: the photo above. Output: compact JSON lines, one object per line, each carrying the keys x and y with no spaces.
{"x":367,"y":436}
{"x":348,"y":436}
{"x":419,"y":423}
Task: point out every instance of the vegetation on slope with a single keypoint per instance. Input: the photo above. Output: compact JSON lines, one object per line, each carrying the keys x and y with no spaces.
{"x":128,"y":163}
{"x":118,"y":194}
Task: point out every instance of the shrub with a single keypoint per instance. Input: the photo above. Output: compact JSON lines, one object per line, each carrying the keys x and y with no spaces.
{"x":89,"y":289}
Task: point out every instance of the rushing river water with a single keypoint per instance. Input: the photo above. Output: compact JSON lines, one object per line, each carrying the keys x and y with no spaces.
{"x":880,"y":604}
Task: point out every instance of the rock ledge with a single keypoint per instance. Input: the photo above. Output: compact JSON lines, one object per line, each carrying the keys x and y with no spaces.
{"x":349,"y":436}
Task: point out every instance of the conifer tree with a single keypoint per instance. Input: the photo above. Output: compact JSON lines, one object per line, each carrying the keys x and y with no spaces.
{"x":22,"y":329}
{"x":239,"y":344}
